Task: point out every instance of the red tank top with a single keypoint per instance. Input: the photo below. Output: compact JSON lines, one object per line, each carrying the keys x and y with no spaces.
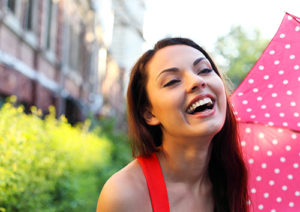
{"x":156,"y":184}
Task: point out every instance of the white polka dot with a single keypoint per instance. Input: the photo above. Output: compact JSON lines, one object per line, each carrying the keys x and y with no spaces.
{"x":271,"y":52}
{"x":270,"y":123}
{"x":281,"y":72}
{"x":261,"y":135}
{"x":248,"y":110}
{"x":243,"y":143}
{"x":278,"y":104}
{"x":287,"y":46}
{"x":269,"y":153}
{"x":259,"y":98}
{"x":278,"y":199}
{"x":296,"y":67}
{"x":298,"y":78}
{"x":248,"y":130}
{"x":270,"y":86}
{"x":251,"y":161}
{"x":251,"y":81}
{"x":297,"y":28}
{"x":260,"y":207}
{"x":292,"y":57}
{"x":271,"y":182}
{"x":285,"y":124}
{"x":290,"y":177}
{"x":255,"y":90}
{"x":267,"y":115}
{"x":296,"y":165}
{"x":276,"y":62}
{"x":285,"y":82}
{"x":282,"y":159}
{"x":266,"y":77}
{"x":298,"y":124}
{"x":256,"y":148}
{"x":240,"y":94}
{"x":258,"y":178}
{"x":273,"y":210}
{"x":291,"y":204}
{"x":282,"y":35}
{"x":277,"y":171}
{"x":263,"y":165}
{"x":275,"y":141}
{"x":245,"y":102}
{"x":281,"y":114}
{"x":261,"y":67}
{"x":284,"y":188}
{"x":263,"y":107}
{"x":296,"y":114}
{"x":252,"y":116}
{"x":289,"y":92}
{"x":288,"y":147}
{"x":297,"y":193}
{"x":279,"y":130}
{"x":253,"y":190}
{"x":293,"y":104}
{"x":289,"y":17}
{"x":266,"y":195}
{"x":274,"y":95}
{"x":294,"y":136}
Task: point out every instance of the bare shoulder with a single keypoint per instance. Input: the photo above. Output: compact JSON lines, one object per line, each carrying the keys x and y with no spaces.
{"x":125,"y":191}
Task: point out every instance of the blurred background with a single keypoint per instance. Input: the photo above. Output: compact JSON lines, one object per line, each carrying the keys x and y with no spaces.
{"x":64,"y":67}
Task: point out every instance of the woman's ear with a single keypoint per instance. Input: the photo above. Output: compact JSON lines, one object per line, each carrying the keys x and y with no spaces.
{"x":150,"y":118}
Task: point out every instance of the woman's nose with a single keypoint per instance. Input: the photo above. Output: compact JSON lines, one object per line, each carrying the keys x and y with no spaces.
{"x":194,"y":82}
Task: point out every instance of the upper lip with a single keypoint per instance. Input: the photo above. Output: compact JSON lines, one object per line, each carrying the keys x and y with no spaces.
{"x":199,"y":97}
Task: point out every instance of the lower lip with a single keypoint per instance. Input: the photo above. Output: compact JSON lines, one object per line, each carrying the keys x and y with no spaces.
{"x":204,"y":114}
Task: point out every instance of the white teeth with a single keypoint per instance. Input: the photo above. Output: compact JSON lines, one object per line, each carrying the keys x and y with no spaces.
{"x":199,"y":103}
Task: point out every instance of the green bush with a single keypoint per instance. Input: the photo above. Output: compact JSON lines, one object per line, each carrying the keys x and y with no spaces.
{"x":48,"y":165}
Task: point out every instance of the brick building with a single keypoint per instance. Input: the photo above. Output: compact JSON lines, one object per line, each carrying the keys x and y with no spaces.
{"x":49,"y":53}
{"x":125,"y":48}
{"x":73,"y":54}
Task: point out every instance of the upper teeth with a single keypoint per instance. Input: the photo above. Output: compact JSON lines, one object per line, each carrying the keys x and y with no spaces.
{"x":199,"y":103}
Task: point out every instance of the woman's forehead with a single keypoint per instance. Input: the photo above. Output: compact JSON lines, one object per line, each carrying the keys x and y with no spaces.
{"x":174,"y":56}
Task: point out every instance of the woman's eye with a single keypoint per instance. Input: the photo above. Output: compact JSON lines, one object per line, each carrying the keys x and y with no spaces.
{"x":172,"y":82}
{"x":205,"y":71}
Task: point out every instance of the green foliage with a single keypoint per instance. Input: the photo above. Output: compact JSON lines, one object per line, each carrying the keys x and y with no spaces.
{"x":239,"y":50}
{"x":120,"y":149}
{"x":48,"y":165}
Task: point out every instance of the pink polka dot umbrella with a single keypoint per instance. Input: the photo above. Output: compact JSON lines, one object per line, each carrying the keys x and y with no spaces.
{"x":267,"y":105}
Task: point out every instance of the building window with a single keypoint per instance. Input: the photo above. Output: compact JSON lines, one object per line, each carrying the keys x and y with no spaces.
{"x":29,"y":16}
{"x":74,"y":42}
{"x":49,"y":23}
{"x":51,"y":18}
{"x":11,"y":5}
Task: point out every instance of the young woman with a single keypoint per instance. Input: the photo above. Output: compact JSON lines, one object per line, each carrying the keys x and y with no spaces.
{"x":184,"y":137}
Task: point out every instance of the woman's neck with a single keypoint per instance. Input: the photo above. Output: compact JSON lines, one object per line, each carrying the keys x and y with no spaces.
{"x":186,"y":161}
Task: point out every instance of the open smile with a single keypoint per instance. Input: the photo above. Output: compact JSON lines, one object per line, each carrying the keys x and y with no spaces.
{"x":201,"y":104}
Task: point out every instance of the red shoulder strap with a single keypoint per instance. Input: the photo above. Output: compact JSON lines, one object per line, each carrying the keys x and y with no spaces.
{"x":156,"y":184}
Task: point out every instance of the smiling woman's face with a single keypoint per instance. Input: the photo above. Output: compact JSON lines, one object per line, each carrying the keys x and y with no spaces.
{"x":187,"y":97}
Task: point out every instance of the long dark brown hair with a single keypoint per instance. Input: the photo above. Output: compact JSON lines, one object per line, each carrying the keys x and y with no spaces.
{"x":227,"y":170}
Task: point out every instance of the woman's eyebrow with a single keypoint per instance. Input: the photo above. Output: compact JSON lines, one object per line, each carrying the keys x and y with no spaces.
{"x":173,"y":69}
{"x":198,"y":60}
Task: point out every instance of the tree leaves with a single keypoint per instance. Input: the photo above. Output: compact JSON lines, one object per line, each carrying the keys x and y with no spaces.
{"x":239,"y":50}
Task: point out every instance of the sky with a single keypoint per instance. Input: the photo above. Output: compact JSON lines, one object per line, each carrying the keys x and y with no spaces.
{"x":205,"y":21}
